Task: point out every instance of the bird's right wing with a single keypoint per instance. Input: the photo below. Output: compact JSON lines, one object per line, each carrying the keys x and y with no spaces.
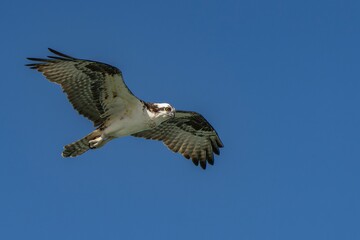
{"x":96,"y":90}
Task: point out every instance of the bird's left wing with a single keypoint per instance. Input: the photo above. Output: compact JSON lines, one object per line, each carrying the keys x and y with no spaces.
{"x":96,"y":90}
{"x":189,"y":134}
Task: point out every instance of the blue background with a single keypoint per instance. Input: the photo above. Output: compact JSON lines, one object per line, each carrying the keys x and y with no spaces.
{"x":279,"y":80}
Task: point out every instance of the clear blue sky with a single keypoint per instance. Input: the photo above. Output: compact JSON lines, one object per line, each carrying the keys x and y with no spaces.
{"x":279,"y":80}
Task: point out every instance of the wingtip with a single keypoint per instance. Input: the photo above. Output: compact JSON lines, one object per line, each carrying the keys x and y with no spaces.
{"x":60,"y":54}
{"x":220,"y":143}
{"x":203,"y":164}
{"x":33,"y":59}
{"x":195,"y":161}
{"x":210,"y":160}
{"x":52,"y":50}
{"x":31,"y":66}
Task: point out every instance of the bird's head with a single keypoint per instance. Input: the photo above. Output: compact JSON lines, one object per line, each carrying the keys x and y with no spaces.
{"x":160,"y":112}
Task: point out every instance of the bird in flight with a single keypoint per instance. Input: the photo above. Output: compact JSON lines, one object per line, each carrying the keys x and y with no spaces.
{"x":98,"y":92}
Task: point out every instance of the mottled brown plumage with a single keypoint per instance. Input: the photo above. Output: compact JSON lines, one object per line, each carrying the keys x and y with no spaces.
{"x":189,"y":134}
{"x":98,"y":92}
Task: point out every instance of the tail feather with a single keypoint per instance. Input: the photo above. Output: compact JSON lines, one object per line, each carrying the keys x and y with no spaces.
{"x":79,"y":147}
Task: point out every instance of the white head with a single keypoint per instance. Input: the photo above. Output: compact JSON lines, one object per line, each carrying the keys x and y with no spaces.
{"x":160,"y":112}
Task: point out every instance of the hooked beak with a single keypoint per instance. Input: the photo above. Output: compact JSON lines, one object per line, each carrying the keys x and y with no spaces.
{"x":172,"y":114}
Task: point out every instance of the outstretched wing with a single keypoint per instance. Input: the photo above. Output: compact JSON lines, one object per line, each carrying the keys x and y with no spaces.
{"x":96,"y":90}
{"x":189,"y":134}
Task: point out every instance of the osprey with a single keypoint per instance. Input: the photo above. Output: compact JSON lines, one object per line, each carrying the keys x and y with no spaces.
{"x":98,"y":92}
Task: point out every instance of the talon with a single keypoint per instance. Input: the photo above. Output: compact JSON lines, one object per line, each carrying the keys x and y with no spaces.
{"x":96,"y":142}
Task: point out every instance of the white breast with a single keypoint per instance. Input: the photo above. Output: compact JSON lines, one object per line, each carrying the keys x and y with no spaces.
{"x":129,"y":122}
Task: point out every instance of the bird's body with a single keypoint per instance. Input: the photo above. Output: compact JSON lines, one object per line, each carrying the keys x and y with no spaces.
{"x":98,"y":92}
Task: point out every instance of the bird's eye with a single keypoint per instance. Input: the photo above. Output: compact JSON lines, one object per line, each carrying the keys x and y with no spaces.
{"x":168,"y":109}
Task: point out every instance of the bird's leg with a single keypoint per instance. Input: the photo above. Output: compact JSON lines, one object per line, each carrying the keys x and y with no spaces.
{"x":95,"y":142}
{"x":99,"y":141}
{"x":104,"y":141}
